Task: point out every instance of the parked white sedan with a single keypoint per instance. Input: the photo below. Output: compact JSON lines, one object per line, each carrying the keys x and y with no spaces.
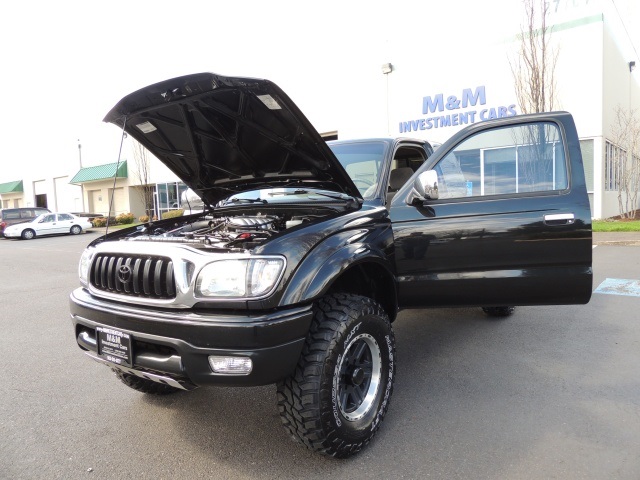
{"x":48,"y":224}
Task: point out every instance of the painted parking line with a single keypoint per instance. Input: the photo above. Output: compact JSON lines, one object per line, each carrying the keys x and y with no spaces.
{"x":619,"y":286}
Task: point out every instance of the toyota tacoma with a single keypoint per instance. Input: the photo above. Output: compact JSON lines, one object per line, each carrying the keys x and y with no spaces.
{"x":306,"y":251}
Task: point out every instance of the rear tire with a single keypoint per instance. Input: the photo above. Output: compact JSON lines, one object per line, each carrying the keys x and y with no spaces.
{"x":75,"y":230}
{"x":28,"y":234}
{"x":339,"y":393}
{"x":499,"y":311}
{"x":143,"y":385}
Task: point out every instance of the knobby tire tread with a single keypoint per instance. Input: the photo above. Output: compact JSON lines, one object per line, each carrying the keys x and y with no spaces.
{"x":298,"y":395}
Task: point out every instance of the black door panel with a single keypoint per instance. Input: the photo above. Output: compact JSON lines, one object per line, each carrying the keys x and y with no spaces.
{"x":517,"y":247}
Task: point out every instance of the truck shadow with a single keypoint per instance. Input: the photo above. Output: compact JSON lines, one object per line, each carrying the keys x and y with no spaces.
{"x":474,"y":397}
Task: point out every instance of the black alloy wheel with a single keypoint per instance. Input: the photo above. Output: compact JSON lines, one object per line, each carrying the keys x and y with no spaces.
{"x":339,"y":393}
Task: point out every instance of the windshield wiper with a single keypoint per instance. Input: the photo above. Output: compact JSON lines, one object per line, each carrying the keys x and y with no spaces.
{"x":351,"y":202}
{"x":295,"y":192}
{"x":245,"y":200}
{"x":337,"y":196}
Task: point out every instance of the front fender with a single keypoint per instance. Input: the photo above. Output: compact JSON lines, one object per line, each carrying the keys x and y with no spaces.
{"x":324,"y":265}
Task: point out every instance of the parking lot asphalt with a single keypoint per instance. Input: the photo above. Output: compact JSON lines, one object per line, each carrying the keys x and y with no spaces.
{"x":551,"y":392}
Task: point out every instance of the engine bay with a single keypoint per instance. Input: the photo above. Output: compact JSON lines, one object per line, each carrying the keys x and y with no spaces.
{"x":241,"y":232}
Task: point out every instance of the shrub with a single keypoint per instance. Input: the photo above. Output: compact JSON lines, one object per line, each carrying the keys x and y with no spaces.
{"x":99,"y":222}
{"x":143,"y":218}
{"x":125,"y":218}
{"x":172,"y":214}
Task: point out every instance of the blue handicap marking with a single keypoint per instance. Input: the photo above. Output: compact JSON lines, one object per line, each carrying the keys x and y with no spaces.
{"x":618,"y":286}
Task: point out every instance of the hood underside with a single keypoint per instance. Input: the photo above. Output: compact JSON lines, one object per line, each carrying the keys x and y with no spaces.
{"x":224,"y":135}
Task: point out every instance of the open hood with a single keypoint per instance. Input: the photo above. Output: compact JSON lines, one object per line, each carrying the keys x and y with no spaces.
{"x":223,"y":135}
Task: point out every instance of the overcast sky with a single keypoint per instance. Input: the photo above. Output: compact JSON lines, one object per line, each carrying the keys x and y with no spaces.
{"x":66,"y":63}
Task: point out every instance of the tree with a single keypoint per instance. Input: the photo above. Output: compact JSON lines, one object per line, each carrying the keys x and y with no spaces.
{"x":533,"y":70}
{"x":534,"y":65}
{"x":142,"y":175}
{"x":625,"y":163}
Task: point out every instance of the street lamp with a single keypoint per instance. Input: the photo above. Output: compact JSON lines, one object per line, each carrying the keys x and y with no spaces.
{"x":81,"y":184}
{"x":387,"y":68}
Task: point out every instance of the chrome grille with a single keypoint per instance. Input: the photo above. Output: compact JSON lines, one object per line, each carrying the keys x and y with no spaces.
{"x":136,"y":275}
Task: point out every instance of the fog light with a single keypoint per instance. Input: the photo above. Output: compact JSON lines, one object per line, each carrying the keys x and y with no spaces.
{"x":230,"y":365}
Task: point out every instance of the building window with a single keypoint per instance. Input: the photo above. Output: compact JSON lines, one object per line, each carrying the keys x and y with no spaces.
{"x":613,"y":166}
{"x":167,"y":197}
{"x":586,"y":148}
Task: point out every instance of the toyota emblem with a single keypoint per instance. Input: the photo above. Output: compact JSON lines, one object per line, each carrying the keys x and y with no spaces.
{"x":124,"y":273}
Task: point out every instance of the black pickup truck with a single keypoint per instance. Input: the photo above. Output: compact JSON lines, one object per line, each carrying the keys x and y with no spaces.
{"x":307,"y":250}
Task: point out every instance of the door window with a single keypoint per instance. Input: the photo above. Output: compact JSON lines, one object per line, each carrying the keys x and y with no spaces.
{"x":506,"y":161}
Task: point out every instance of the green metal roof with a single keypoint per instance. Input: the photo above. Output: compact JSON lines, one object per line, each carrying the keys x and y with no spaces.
{"x":100,"y":172}
{"x":11,"y":187}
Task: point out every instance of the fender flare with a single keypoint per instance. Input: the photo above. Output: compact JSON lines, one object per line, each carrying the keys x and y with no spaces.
{"x":327,"y":263}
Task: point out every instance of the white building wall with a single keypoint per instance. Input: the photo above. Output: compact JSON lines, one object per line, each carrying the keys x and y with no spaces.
{"x":66,"y":197}
{"x":620,"y":89}
{"x":97,"y":197}
{"x":12,"y":200}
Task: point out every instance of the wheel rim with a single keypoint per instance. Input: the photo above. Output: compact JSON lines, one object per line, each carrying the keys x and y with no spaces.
{"x":358,"y":378}
{"x":28,"y":234}
{"x":75,"y":230}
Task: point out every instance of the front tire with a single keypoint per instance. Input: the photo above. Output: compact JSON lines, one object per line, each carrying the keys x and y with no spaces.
{"x":339,"y":393}
{"x":28,"y":234}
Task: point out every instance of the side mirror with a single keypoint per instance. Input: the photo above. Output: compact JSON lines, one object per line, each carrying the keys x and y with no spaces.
{"x":426,"y":185}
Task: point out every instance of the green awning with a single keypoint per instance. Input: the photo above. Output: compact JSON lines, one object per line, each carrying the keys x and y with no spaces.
{"x":11,"y":187}
{"x":100,"y":172}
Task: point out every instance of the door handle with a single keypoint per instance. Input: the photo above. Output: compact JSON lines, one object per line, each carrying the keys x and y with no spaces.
{"x":560,"y":219}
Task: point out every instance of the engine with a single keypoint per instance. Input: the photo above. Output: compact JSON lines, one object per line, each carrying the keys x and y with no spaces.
{"x":239,"y":232}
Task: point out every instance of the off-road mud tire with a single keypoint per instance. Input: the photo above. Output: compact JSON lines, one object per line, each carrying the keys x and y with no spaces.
{"x":349,"y":351}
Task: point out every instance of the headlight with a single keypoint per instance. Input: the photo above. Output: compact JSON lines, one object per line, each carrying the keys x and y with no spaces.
{"x":244,"y":278}
{"x":83,"y":266}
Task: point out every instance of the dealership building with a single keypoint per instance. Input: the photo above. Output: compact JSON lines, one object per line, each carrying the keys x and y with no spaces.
{"x":412,"y":96}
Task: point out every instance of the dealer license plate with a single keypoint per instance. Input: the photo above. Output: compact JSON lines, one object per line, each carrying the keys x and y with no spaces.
{"x":114,"y":346}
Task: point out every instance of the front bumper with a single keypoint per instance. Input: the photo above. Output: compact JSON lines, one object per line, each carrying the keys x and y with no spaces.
{"x":173,"y":346}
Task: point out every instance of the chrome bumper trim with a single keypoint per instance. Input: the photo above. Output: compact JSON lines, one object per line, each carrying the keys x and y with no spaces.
{"x":181,"y":384}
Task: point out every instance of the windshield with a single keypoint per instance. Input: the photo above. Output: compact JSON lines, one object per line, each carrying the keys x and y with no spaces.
{"x":363,"y":161}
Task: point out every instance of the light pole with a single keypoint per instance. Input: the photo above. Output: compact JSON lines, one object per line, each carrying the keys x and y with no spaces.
{"x":387,"y":68}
